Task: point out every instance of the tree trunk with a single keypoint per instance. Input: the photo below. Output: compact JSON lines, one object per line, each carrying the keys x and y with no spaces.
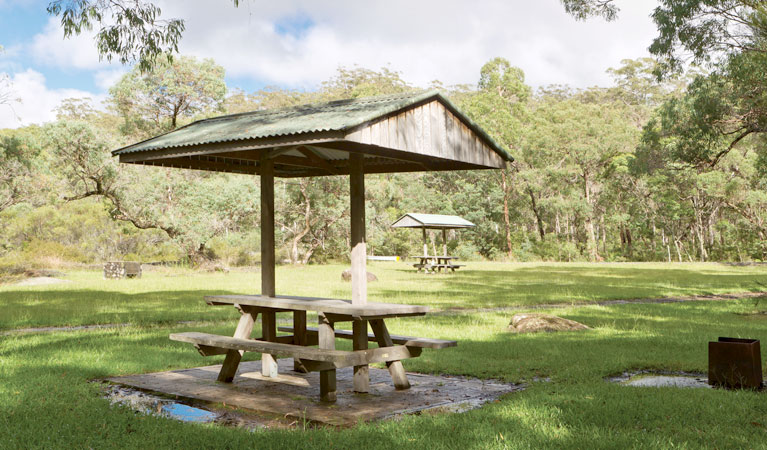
{"x":593,"y":250}
{"x":537,"y":213}
{"x":506,"y":221}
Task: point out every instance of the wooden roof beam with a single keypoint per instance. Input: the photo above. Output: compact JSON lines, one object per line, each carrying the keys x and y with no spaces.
{"x":309,"y":153}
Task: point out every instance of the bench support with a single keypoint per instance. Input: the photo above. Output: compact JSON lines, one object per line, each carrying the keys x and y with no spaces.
{"x":233,"y":357}
{"x":396,"y":369}
{"x":327,"y":340}
{"x":360,"y":342}
{"x":299,"y":338}
{"x":269,"y":328}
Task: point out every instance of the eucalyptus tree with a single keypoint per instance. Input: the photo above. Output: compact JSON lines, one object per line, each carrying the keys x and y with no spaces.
{"x":157,"y":100}
{"x":500,"y":107}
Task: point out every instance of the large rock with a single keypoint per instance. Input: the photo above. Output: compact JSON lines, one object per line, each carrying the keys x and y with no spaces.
{"x":533,"y":322}
{"x":347,"y":275}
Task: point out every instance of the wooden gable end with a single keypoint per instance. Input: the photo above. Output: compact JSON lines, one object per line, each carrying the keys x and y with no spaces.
{"x":429,"y":129}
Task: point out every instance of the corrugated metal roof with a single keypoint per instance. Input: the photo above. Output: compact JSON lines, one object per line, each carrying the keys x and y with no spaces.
{"x":431,"y":220}
{"x":332,"y":116}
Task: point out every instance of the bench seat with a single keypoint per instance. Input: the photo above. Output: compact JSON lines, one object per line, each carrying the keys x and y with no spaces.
{"x":314,"y":358}
{"x":399,"y":340}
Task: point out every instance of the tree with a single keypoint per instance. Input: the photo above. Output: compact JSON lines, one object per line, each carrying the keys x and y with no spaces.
{"x":155,"y":101}
{"x":6,"y":89}
{"x":583,"y":9}
{"x":361,"y":82}
{"x":130,"y":30}
{"x":708,"y":29}
{"x":500,"y":108}
{"x":16,"y":171}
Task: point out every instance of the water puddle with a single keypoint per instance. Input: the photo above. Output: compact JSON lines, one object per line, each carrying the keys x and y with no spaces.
{"x":155,"y":405}
{"x":648,"y":378}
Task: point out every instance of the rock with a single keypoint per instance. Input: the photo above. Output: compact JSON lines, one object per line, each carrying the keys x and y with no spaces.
{"x":531,"y":323}
{"x":122,"y":269}
{"x":347,"y":275}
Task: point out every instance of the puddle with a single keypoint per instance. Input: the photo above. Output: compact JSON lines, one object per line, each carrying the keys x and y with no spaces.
{"x":156,"y":405}
{"x":187,"y":413}
{"x":647,"y":378}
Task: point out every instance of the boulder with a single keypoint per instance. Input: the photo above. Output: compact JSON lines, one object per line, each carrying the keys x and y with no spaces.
{"x":533,"y":322}
{"x":347,"y":275}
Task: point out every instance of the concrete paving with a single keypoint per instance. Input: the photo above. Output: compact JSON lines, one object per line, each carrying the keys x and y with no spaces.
{"x":294,"y":397}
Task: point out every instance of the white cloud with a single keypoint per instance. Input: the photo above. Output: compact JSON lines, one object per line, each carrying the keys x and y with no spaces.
{"x":105,"y":79}
{"x":49,"y":48}
{"x":447,"y":40}
{"x":37,"y":101}
{"x":270,"y":43}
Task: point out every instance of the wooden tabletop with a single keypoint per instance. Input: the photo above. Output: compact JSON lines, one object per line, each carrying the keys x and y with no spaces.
{"x":437,"y":257}
{"x":324,"y":305}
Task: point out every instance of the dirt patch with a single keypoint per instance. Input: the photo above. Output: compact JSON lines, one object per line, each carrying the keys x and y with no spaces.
{"x":691,"y":298}
{"x":654,"y":378}
{"x":41,"y":281}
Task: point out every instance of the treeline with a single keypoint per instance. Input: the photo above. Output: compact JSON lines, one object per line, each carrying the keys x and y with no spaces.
{"x":600,"y":174}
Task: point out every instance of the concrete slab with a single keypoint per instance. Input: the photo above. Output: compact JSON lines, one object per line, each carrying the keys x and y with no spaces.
{"x":295,"y":396}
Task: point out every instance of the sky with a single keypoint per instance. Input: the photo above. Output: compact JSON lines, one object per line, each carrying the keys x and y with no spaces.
{"x":300,"y":43}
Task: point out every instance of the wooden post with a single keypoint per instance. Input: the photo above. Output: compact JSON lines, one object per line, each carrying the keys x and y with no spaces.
{"x":444,"y":241}
{"x":233,"y":357}
{"x":268,"y":320}
{"x":267,"y":226}
{"x":359,"y":261}
{"x":327,"y":340}
{"x":359,"y":250}
{"x":269,"y":329}
{"x":299,"y":337}
{"x":360,"y":342}
{"x":425,"y":245}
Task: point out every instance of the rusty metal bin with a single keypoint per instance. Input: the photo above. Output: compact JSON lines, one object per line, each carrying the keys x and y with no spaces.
{"x":735,"y":363}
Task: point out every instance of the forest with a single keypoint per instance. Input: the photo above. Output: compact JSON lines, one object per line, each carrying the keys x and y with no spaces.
{"x":666,"y":164}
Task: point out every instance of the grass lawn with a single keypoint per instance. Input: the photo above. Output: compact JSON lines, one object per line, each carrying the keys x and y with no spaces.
{"x":46,"y":401}
{"x":170,"y":296}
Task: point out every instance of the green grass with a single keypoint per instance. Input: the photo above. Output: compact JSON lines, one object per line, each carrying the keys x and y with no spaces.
{"x":46,"y":400}
{"x":172,"y":296}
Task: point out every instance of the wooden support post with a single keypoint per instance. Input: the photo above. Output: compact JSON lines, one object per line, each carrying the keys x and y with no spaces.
{"x":396,"y":369}
{"x":269,"y":329}
{"x":299,"y":337}
{"x":425,"y":245}
{"x":327,"y":340}
{"x":267,"y":226}
{"x":233,"y":357}
{"x":360,"y":342}
{"x":444,"y":241}
{"x":268,"y":320}
{"x":359,"y":250}
{"x":359,"y":261}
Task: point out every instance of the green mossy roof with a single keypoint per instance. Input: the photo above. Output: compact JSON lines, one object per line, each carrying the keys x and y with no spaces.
{"x":341,"y":115}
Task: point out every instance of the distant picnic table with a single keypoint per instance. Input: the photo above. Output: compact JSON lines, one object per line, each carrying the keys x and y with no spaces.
{"x":436,"y":222}
{"x":437,"y":263}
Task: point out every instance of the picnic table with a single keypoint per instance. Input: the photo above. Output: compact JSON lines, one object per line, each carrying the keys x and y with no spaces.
{"x":325,"y":358}
{"x":437,"y":263}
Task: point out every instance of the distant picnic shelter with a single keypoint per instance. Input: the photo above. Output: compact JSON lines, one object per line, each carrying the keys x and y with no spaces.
{"x":433,"y":222}
{"x":412,"y":132}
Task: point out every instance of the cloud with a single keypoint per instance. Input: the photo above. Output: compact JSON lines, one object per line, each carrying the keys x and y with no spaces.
{"x":37,"y":101}
{"x":105,"y":79}
{"x":300,"y":43}
{"x":49,"y":48}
